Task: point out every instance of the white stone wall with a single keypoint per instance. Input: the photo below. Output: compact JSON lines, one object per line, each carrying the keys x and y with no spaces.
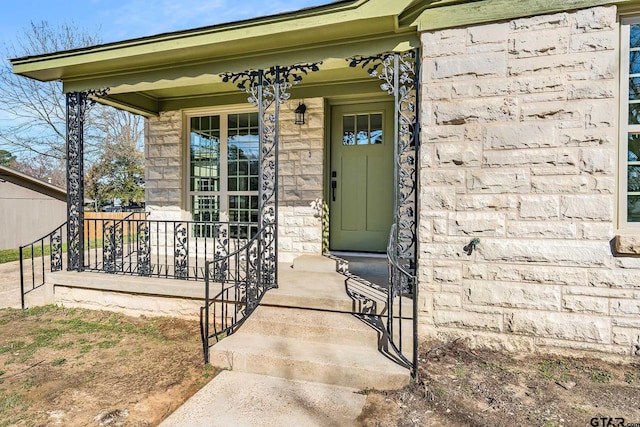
{"x":300,"y":180}
{"x":163,"y":172}
{"x":301,"y":171}
{"x":519,"y":139}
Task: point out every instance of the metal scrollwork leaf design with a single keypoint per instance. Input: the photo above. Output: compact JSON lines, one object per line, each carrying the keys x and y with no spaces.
{"x":144,"y":249}
{"x":181,"y":252}
{"x":76,"y":106}
{"x":56,"y":250}
{"x":109,"y":247}
{"x":267,"y":90}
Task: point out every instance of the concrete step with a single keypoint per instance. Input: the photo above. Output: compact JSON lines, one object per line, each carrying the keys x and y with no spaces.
{"x":328,"y":292}
{"x":310,"y":325}
{"x":311,"y":290}
{"x":317,"y":263}
{"x":293,"y":359}
{"x":242,"y":399}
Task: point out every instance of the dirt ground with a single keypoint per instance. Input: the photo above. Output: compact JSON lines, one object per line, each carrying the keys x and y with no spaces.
{"x":73,"y":367}
{"x":463,"y":387}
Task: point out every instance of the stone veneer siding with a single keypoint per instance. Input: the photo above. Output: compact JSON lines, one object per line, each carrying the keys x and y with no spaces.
{"x":519,"y":139}
{"x":300,"y":180}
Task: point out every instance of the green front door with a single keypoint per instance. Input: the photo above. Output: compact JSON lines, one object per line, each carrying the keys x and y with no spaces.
{"x":361,"y":177}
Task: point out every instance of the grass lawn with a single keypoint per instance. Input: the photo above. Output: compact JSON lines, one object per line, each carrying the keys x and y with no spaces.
{"x":9,"y":255}
{"x":75,"y":367}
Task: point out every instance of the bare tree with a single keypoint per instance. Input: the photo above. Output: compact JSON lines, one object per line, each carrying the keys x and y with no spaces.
{"x":37,"y":109}
{"x":36,"y":133}
{"x":45,"y":168}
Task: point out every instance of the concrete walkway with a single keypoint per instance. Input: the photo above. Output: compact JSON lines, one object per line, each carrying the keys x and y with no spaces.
{"x":243,"y":399}
{"x":10,"y":285}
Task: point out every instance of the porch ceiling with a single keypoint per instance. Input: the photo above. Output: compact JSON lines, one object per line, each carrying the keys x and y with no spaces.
{"x":181,"y":70}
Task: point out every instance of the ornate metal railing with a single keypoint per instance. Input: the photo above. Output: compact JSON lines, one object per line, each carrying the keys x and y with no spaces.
{"x":389,"y":307}
{"x":399,"y":73}
{"x":241,"y":278}
{"x":401,"y":289}
{"x":39,"y":256}
{"x":138,"y":246}
{"x":169,"y":249}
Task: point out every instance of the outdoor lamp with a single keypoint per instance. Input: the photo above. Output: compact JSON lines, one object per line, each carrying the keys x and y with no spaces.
{"x":300,"y":114}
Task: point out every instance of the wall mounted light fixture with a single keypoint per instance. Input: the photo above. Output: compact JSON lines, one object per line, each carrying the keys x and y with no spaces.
{"x":300,"y":110}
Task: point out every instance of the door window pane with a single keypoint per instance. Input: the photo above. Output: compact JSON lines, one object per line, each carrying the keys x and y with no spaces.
{"x":348,"y":130}
{"x":362,"y":134}
{"x":376,"y":128}
{"x":362,"y":129}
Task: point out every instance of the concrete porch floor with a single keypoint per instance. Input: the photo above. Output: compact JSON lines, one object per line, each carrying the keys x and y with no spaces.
{"x":149,"y":296}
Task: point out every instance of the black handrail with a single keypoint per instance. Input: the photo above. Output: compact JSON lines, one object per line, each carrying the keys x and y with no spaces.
{"x":55,"y":247}
{"x":137,"y":246}
{"x":161,"y":248}
{"x":244,"y":276}
{"x":402,"y":285}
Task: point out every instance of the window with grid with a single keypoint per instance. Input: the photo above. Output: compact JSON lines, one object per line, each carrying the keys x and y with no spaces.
{"x":630,"y":124}
{"x":224,"y":166}
{"x":362,"y":129}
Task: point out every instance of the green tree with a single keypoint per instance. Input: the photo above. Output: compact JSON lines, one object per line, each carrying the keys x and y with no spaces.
{"x":6,"y":158}
{"x":119,"y":172}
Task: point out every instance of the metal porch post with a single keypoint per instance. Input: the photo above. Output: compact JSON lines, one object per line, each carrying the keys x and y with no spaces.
{"x":399,"y":72}
{"x":76,"y":104}
{"x":267,"y":89}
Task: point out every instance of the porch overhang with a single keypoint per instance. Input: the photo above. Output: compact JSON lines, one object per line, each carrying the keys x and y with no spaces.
{"x":181,"y":70}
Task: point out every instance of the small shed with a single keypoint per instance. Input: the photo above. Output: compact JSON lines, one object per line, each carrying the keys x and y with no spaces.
{"x":29,"y":208}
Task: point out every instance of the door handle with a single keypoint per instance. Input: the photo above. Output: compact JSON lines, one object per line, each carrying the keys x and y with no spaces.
{"x":334,"y":184}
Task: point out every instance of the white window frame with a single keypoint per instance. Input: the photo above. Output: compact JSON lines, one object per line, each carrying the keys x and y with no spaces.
{"x":624,"y":127}
{"x":224,"y":192}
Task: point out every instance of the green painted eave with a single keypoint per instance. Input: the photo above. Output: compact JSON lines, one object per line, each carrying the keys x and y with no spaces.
{"x":336,"y":21}
{"x":451,"y":13}
{"x":182,"y":69}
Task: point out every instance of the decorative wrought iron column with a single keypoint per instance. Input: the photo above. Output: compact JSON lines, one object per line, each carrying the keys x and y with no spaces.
{"x":399,"y":72}
{"x":268,"y":89}
{"x":76,"y":106}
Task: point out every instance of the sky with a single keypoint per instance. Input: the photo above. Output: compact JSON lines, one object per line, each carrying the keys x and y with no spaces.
{"x":115,"y":20}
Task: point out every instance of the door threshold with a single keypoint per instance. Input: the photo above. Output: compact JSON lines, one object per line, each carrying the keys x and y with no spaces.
{"x":358,"y":254}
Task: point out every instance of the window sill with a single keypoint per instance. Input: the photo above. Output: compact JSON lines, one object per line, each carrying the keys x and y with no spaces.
{"x":628,"y":244}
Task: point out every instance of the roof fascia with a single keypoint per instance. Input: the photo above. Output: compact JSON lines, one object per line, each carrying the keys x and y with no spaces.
{"x":60,"y":65}
{"x":23,"y":180}
{"x":470,"y":12}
